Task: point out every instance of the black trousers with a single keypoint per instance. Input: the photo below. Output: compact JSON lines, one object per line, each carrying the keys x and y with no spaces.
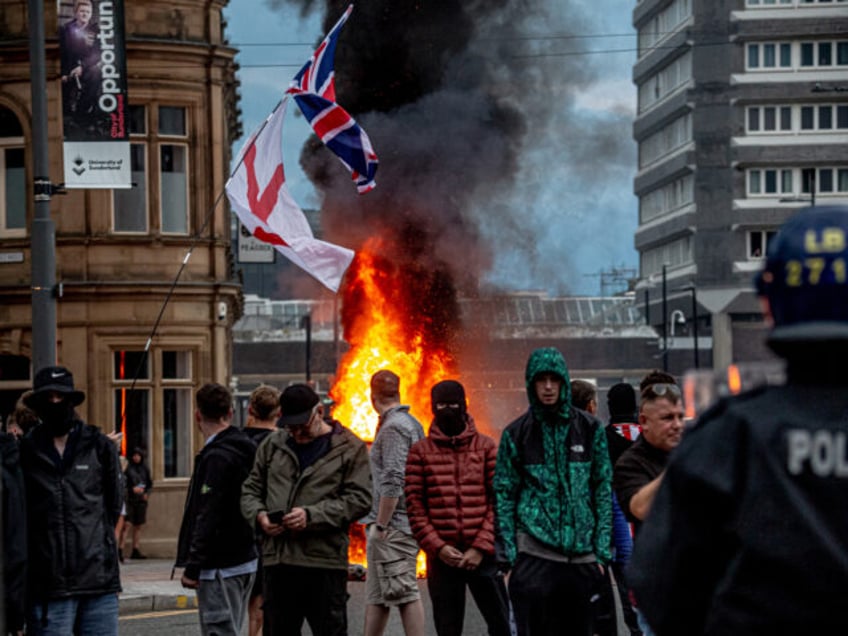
{"x":293,"y":593}
{"x":606,"y":618}
{"x":447,"y":587}
{"x":551,"y":598}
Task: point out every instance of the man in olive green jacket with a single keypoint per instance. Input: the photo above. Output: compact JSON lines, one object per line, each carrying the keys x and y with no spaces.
{"x":309,"y":481}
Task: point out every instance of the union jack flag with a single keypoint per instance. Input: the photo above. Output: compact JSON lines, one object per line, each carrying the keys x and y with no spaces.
{"x":313,"y":89}
{"x":317,"y":74}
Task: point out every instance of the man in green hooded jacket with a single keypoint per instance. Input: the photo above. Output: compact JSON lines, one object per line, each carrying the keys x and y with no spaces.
{"x":554,"y":505}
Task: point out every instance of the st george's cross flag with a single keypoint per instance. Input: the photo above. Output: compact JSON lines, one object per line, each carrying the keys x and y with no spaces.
{"x":259,"y":196}
{"x":313,"y":88}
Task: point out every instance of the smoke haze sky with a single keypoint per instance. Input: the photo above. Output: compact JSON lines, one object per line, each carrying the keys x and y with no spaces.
{"x":548,"y":218}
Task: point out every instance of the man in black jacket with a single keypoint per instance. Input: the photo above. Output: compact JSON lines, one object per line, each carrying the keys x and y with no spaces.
{"x":748,"y":534}
{"x":73,"y":494}
{"x":217,"y":547}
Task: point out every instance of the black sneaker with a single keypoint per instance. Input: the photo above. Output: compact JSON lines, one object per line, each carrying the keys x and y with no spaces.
{"x":137,"y":555}
{"x":120,"y":555}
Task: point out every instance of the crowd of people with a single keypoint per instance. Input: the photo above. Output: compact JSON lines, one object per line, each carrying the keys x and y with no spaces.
{"x":568,"y":524}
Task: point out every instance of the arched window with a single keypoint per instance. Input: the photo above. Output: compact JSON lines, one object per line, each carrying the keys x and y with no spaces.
{"x":12,"y":176}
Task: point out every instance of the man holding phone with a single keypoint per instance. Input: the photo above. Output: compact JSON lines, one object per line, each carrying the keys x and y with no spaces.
{"x":311,"y":478}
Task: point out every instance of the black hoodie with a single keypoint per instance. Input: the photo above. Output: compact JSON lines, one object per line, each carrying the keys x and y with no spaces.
{"x":213,"y":532}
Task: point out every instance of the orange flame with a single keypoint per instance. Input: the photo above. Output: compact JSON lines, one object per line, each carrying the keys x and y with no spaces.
{"x":383,"y":335}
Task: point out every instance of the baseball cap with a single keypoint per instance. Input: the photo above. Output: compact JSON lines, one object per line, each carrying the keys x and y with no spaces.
{"x":296,"y":404}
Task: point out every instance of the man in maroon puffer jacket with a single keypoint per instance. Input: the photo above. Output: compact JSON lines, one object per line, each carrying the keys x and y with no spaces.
{"x":451,"y":508}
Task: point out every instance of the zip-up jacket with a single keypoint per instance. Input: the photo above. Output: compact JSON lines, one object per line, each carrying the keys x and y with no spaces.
{"x":213,"y":535}
{"x":448,"y":487}
{"x":72,"y":507}
{"x":334,"y":490}
{"x":553,"y":474}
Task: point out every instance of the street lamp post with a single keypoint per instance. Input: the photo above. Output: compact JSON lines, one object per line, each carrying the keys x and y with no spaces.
{"x":43,"y":233}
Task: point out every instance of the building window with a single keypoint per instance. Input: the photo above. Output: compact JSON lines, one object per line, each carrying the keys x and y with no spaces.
{"x":173,"y":165}
{"x":129,"y":206}
{"x":158,"y":383}
{"x":824,"y":54}
{"x":786,"y":182}
{"x":758,"y":242}
{"x":770,"y":181}
{"x":824,"y":117}
{"x":666,"y":140}
{"x":667,"y":198}
{"x":674,"y":254}
{"x":174,"y":184}
{"x":663,"y":25}
{"x":166,"y":143}
{"x":769,"y":119}
{"x":665,"y":82}
{"x":769,"y":55}
{"x":12,"y":176}
{"x":760,"y":120}
{"x":832,"y":180}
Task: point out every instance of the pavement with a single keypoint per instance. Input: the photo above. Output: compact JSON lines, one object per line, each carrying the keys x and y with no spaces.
{"x":148,"y":587}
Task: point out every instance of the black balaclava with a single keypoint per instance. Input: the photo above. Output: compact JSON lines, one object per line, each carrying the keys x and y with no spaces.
{"x":450,"y":419}
{"x":57,"y":417}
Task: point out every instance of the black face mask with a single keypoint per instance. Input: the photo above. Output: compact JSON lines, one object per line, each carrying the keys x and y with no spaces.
{"x":57,"y":417}
{"x":451,"y":421}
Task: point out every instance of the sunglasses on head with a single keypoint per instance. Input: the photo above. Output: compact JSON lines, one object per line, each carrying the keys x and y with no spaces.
{"x":661,"y":389}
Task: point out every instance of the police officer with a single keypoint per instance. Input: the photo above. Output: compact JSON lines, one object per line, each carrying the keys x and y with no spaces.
{"x":749,"y":531}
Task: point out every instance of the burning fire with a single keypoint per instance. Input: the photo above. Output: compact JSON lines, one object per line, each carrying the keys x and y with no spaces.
{"x":383,"y":332}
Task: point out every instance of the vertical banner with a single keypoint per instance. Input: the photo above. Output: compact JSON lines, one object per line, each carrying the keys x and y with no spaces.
{"x":94,"y":94}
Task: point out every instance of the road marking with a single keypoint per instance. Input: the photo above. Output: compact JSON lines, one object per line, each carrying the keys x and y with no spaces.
{"x":135,"y":617}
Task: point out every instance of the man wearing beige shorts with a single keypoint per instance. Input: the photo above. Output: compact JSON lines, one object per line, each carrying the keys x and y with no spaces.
{"x":391,"y":550}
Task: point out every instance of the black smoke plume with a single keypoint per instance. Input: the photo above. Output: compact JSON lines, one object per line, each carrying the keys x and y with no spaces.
{"x":469,"y":115}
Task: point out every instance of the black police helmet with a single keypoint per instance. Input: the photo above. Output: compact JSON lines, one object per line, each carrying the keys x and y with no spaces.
{"x":805,"y":278}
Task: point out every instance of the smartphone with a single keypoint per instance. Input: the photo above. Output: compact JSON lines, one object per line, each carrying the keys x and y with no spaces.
{"x":276,"y":516}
